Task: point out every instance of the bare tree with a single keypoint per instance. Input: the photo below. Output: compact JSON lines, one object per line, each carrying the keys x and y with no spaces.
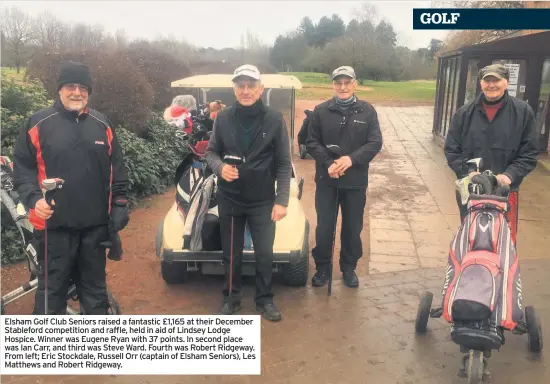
{"x":462,"y":38}
{"x":367,"y":11}
{"x":17,"y":28}
{"x":49,"y":31}
{"x":84,"y":36}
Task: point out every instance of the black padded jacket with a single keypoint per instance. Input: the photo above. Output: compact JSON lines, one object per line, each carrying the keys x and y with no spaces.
{"x":80,"y":149}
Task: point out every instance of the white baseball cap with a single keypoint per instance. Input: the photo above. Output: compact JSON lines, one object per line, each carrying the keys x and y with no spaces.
{"x":247,"y":70}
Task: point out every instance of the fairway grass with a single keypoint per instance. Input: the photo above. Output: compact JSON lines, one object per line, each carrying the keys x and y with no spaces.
{"x":317,"y":86}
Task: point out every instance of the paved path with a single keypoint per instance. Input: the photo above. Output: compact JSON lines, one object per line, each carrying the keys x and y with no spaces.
{"x":366,"y":335}
{"x":412,"y":208}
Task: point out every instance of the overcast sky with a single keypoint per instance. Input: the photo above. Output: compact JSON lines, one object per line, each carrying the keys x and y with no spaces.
{"x":220,"y":24}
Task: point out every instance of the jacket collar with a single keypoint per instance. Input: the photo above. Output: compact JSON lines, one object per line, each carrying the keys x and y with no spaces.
{"x":479,"y":99}
{"x":73,"y":115}
{"x":355,"y":107}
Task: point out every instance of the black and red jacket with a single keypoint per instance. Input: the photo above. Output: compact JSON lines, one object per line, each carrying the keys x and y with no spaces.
{"x":80,"y":149}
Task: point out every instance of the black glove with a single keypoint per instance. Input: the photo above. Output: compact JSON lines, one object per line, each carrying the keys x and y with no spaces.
{"x":120,"y":214}
{"x":113,"y":243}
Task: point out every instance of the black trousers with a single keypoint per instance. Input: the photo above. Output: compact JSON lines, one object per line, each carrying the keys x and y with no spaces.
{"x":233,"y":218}
{"x":352,"y":202}
{"x":72,"y":255}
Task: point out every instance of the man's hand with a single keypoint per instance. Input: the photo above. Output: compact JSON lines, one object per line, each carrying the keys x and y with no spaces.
{"x":332,"y":171}
{"x":342,"y":164}
{"x":43,"y":210}
{"x":278,"y":212}
{"x":472,"y":174}
{"x":120,"y":216}
{"x":229,"y":173}
{"x":504,"y":180}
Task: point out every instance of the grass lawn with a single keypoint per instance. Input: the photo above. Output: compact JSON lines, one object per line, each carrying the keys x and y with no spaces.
{"x":12,"y":74}
{"x":318,"y":86}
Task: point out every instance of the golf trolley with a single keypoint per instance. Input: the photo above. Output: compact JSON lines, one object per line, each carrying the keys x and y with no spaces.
{"x":18,"y":217}
{"x":481,"y":296}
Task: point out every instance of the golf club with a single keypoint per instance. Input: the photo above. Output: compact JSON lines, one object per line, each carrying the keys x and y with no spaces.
{"x":337,"y":153}
{"x":474,"y":166}
{"x":49,"y":186}
{"x":233,"y":161}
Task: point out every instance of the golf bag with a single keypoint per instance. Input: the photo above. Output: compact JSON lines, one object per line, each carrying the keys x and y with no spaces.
{"x":302,"y":135}
{"x":14,"y":215}
{"x":481,"y":295}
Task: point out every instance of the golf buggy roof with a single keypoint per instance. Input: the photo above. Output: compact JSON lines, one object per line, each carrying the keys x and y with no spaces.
{"x":224,"y":81}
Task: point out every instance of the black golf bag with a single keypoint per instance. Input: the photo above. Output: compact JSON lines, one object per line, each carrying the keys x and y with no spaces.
{"x":302,"y":135}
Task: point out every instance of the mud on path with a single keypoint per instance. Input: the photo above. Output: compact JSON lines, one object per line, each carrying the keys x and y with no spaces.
{"x":136,"y":280}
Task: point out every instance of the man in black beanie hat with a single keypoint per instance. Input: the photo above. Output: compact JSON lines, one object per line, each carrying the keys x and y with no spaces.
{"x":75,"y":143}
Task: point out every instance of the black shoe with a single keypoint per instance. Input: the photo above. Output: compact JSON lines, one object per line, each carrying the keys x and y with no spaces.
{"x":269,"y":311}
{"x":320,"y":278}
{"x":350,"y":279}
{"x":229,"y":307}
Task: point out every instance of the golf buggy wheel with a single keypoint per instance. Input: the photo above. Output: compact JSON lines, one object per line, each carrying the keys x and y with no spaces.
{"x":174,"y":272}
{"x":423,"y":313}
{"x":303,"y":151}
{"x":296,"y":272}
{"x":114,"y":306}
{"x":475,"y":367}
{"x":534,"y":330}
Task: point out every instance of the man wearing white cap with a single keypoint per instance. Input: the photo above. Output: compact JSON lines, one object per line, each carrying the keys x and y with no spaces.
{"x":257,"y":135}
{"x":351,"y":126}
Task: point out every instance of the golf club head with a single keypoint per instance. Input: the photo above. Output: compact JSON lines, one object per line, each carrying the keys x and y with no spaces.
{"x":233,"y":160}
{"x":49,"y":186}
{"x":181,"y":134}
{"x":335,"y":150}
{"x":474,"y":164}
{"x":52,"y":184}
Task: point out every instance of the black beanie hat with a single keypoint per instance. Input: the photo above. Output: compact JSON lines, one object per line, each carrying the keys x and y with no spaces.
{"x":74,"y":72}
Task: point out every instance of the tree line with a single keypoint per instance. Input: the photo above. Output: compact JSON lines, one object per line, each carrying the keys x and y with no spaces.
{"x":368,"y":45}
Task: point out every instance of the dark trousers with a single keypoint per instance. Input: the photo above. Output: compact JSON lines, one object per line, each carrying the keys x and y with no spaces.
{"x":352,"y":202}
{"x":233,"y":219}
{"x":512,"y":214}
{"x":77,"y":256}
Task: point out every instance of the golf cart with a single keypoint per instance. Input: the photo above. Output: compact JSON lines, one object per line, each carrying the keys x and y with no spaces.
{"x":291,"y":250}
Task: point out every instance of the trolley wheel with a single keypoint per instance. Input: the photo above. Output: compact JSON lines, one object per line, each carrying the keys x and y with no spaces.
{"x":475,"y":367}
{"x":423,"y":313}
{"x":534,"y":330}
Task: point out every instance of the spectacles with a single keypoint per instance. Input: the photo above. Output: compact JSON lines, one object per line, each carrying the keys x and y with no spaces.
{"x":73,"y":87}
{"x":339,"y":84}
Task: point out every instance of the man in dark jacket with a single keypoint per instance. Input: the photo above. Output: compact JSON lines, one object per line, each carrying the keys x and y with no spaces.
{"x":352,"y":125}
{"x":75,"y":143}
{"x":246,"y":193}
{"x":499,"y":129}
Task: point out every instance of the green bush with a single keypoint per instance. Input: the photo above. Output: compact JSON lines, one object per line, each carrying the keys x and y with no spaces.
{"x":19,"y":101}
{"x":151,"y":162}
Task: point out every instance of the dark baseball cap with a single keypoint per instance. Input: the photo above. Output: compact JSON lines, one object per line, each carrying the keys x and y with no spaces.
{"x":497,"y":70}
